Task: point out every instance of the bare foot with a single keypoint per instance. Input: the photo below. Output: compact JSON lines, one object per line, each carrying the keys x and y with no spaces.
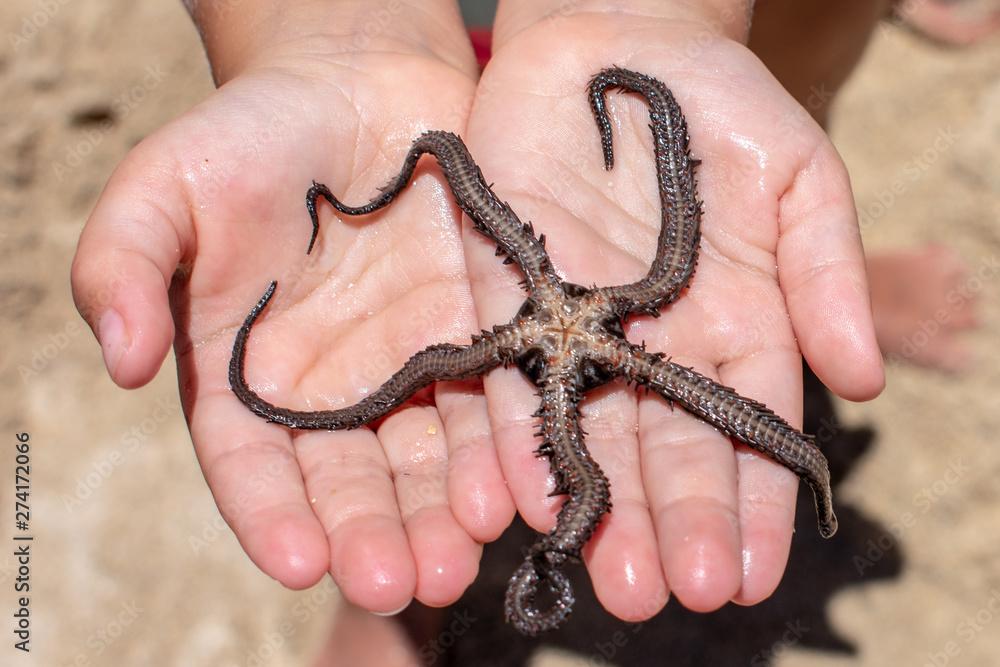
{"x":951,"y":22}
{"x":359,"y":638}
{"x":922,"y":300}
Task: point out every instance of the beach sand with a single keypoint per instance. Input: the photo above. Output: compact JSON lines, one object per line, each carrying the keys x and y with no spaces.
{"x":131,"y":562}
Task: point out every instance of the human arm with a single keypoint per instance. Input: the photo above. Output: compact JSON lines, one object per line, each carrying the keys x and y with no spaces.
{"x":202,"y":214}
{"x":780,"y":276}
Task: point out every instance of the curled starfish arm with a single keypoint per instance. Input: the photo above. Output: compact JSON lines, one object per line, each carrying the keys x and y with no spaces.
{"x":742,"y":418}
{"x":435,"y":363}
{"x":680,"y":210}
{"x":576,"y":474}
{"x":491,"y":216}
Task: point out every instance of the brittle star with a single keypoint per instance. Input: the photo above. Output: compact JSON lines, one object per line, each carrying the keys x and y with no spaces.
{"x":567,"y":339}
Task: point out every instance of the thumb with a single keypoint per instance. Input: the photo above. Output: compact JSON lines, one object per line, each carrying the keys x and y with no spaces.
{"x":136,"y":236}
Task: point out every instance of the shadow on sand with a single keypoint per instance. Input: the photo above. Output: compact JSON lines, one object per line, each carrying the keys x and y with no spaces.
{"x":473,"y":632}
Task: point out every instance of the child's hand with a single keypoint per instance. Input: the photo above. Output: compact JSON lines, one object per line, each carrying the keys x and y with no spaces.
{"x":211,"y":208}
{"x":780,"y":270}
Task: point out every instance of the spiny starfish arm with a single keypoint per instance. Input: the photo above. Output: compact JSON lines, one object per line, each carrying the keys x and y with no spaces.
{"x":437,"y":362}
{"x":490,"y":215}
{"x":742,"y":418}
{"x":519,"y":604}
{"x":680,"y":210}
{"x":577,"y":474}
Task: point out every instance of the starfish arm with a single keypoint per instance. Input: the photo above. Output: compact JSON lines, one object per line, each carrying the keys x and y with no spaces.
{"x":680,"y":210}
{"x":742,"y":418}
{"x":491,"y":216}
{"x":435,"y":363}
{"x":576,"y":474}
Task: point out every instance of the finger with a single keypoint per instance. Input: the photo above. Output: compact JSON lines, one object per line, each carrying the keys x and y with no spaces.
{"x":127,"y":253}
{"x":689,"y":472}
{"x":622,"y":557}
{"x":821,"y":268}
{"x":252,"y":470}
{"x":447,"y":558}
{"x":767,"y":489}
{"x":351,"y":491}
{"x":477,"y":492}
{"x":624,"y":563}
{"x":511,"y":404}
{"x":511,"y":400}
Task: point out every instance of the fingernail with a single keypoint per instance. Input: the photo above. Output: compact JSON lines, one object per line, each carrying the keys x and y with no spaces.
{"x":392,"y":613}
{"x":111,"y":331}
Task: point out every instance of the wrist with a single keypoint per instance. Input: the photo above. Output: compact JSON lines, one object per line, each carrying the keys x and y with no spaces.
{"x":239,"y":34}
{"x":729,"y":19}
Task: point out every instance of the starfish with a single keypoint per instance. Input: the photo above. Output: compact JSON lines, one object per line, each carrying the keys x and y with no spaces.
{"x":567,"y":339}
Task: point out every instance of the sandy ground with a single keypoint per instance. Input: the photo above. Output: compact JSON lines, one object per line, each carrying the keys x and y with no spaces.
{"x":132,"y":564}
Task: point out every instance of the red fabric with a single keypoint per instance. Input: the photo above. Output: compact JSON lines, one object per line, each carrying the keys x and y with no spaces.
{"x":482,"y":43}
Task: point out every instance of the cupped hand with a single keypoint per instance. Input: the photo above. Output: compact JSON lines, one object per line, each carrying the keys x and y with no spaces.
{"x":190,"y":230}
{"x":780,"y":275}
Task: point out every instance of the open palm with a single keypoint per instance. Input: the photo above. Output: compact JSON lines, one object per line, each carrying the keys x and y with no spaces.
{"x":400,"y":509}
{"x":220,"y":193}
{"x":780,"y":270}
